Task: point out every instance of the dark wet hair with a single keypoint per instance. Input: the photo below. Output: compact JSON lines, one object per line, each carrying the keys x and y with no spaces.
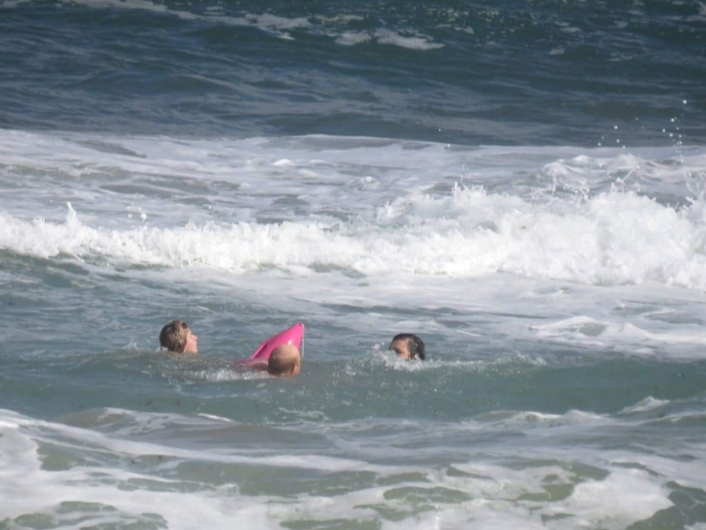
{"x":414,"y":343}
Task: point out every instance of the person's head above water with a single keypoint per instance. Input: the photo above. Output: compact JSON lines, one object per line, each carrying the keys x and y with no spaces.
{"x":408,"y":346}
{"x":285,"y":361}
{"x":177,"y":337}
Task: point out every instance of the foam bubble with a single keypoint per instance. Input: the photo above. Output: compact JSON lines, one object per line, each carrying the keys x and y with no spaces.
{"x":647,"y":404}
{"x":351,"y":38}
{"x":593,"y":502}
{"x":386,"y":36}
{"x":588,"y":330}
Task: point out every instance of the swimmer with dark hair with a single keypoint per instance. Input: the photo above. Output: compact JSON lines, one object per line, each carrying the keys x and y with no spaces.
{"x":408,"y":346}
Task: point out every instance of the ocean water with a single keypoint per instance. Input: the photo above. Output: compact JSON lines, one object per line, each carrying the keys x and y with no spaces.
{"x":521,"y":183}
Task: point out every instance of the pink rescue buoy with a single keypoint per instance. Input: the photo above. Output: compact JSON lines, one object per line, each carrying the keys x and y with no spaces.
{"x":293,"y":335}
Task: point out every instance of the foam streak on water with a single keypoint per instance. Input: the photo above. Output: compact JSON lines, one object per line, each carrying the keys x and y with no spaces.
{"x":473,"y":475}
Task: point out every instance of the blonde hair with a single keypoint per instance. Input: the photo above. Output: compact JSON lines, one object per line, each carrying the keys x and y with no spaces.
{"x":283,"y":360}
{"x":173,"y":336}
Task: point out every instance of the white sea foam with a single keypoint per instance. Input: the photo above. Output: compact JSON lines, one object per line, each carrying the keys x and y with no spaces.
{"x":588,"y":243}
{"x":386,"y":36}
{"x":66,"y":436}
{"x":572,"y":417}
{"x":28,"y":489}
{"x":586,"y":330}
{"x":351,"y":38}
{"x":593,"y":502}
{"x":647,"y":404}
{"x":501,"y":488}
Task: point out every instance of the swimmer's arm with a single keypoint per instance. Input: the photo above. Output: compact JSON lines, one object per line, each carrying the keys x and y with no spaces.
{"x":258,"y":365}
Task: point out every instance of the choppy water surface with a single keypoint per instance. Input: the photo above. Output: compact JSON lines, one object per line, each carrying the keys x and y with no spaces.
{"x":520,"y":184}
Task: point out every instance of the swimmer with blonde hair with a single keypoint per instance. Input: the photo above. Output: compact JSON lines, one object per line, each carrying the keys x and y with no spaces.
{"x":177,"y":337}
{"x":285,"y":361}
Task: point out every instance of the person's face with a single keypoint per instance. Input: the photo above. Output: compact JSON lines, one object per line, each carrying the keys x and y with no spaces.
{"x":401,"y":348}
{"x":192,"y":343}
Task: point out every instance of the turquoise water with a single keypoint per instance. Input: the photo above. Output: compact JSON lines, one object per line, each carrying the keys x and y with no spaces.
{"x":520,"y":184}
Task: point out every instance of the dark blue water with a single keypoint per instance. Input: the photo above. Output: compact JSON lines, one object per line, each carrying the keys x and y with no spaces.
{"x":509,"y":73}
